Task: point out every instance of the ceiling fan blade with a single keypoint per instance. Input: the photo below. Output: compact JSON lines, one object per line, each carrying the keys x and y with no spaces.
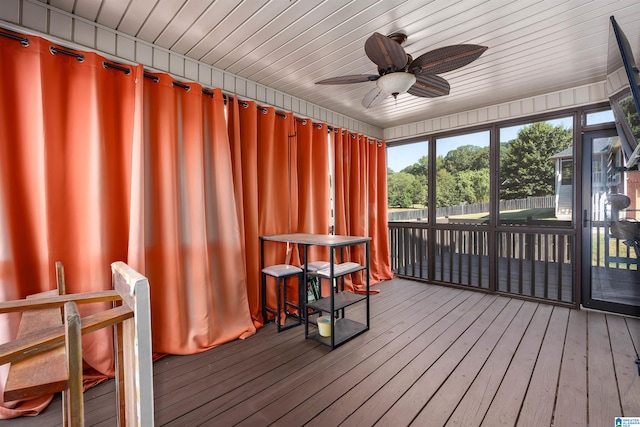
{"x":374,"y":97}
{"x":386,"y":53}
{"x":343,"y":80}
{"x":429,"y":86}
{"x":446,"y":59}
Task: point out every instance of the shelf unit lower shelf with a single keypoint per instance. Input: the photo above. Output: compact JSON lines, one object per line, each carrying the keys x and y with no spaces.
{"x":343,"y":331}
{"x":340,"y":300}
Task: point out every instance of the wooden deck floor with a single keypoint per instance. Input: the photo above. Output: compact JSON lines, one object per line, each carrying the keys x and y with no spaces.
{"x":434,"y":356}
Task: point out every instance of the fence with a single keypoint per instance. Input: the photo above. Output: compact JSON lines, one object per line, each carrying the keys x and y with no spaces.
{"x":532,"y":262}
{"x":476,"y":208}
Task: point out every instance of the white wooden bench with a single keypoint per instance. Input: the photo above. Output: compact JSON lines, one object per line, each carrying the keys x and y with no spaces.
{"x":46,"y":356}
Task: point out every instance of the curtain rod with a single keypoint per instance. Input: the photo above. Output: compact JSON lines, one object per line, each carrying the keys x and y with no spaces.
{"x":55,"y":50}
{"x":24,"y":41}
{"x":245,"y":104}
{"x":118,"y":67}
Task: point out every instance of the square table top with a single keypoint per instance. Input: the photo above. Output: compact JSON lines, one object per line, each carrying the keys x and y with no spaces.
{"x":330,"y":240}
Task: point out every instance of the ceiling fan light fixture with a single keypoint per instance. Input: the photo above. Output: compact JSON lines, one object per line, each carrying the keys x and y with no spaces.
{"x":396,"y":83}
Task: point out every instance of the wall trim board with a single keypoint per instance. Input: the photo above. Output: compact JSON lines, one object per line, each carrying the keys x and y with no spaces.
{"x":536,"y":105}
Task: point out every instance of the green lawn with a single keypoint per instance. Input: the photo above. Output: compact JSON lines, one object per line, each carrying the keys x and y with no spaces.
{"x":537,"y":213}
{"x":616,"y":249}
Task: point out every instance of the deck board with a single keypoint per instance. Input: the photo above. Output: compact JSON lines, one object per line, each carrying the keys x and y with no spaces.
{"x":508,"y":400}
{"x":424,"y":333}
{"x":335,"y":363}
{"x":351,"y":370}
{"x":444,"y":401}
{"x":537,"y":409}
{"x":251,"y":388}
{"x":476,"y":401}
{"x":399,"y":370}
{"x":627,"y":375}
{"x":604,"y":402}
{"x":434,"y":356}
{"x":571,"y":405}
{"x":434,"y":363}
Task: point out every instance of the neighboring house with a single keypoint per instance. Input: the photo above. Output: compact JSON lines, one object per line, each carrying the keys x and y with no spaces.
{"x":605,"y":178}
{"x":564,"y":184}
{"x":633,"y":191}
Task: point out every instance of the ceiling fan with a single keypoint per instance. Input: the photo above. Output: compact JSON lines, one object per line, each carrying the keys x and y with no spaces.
{"x":398,"y":72}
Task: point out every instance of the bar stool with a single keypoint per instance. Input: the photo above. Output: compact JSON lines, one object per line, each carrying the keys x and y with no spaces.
{"x":281,"y":272}
{"x":317,"y":265}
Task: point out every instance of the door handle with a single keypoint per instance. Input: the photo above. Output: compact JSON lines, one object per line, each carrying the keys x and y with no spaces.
{"x":585,"y":219}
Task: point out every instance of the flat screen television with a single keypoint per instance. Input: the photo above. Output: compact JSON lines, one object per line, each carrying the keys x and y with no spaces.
{"x":623,"y":89}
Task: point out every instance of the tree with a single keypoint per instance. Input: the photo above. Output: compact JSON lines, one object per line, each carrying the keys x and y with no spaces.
{"x":527,"y":168}
{"x":403,"y":190}
{"x":472,"y":186}
{"x":467,"y":157}
{"x":421,"y":171}
{"x":445,"y":189}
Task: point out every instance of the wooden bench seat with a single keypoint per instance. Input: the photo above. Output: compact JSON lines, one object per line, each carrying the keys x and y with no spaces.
{"x":44,"y":373}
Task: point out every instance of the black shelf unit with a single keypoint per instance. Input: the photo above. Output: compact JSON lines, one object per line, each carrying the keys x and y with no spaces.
{"x":342,"y":328}
{"x":335,"y":304}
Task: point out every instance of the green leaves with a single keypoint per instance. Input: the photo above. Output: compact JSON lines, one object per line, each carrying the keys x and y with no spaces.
{"x":527,"y":168}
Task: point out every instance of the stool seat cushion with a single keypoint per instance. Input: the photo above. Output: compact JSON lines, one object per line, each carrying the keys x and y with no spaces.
{"x":282,"y":270}
{"x":317,"y":265}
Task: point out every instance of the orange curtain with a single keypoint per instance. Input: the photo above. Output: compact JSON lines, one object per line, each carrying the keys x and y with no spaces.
{"x":341,"y":161}
{"x":281,"y":180}
{"x":277,"y":190}
{"x":243,"y":138}
{"x":191,"y":248}
{"x":380,"y":255}
{"x":313,"y":183}
{"x":66,"y":129}
{"x":361,"y":201}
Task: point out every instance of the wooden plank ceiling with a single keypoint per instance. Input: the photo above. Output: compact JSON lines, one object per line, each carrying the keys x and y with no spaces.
{"x":535,"y":47}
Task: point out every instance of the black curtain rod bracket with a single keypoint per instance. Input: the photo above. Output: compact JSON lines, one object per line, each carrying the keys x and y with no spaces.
{"x":155,"y":79}
{"x":182,"y":85}
{"x":55,"y":50}
{"x":125,"y":70}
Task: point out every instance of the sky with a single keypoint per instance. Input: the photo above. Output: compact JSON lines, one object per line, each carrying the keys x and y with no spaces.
{"x":402,"y":156}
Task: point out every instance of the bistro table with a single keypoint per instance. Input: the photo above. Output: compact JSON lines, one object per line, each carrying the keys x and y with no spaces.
{"x":342,"y":329}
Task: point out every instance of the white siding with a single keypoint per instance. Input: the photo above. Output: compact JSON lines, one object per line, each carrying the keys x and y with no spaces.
{"x":550,"y":102}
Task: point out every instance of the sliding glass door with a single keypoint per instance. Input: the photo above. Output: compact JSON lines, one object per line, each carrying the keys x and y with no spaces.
{"x":611,"y":209}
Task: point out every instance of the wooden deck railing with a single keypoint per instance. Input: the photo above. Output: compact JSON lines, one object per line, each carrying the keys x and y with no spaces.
{"x":530,"y":261}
